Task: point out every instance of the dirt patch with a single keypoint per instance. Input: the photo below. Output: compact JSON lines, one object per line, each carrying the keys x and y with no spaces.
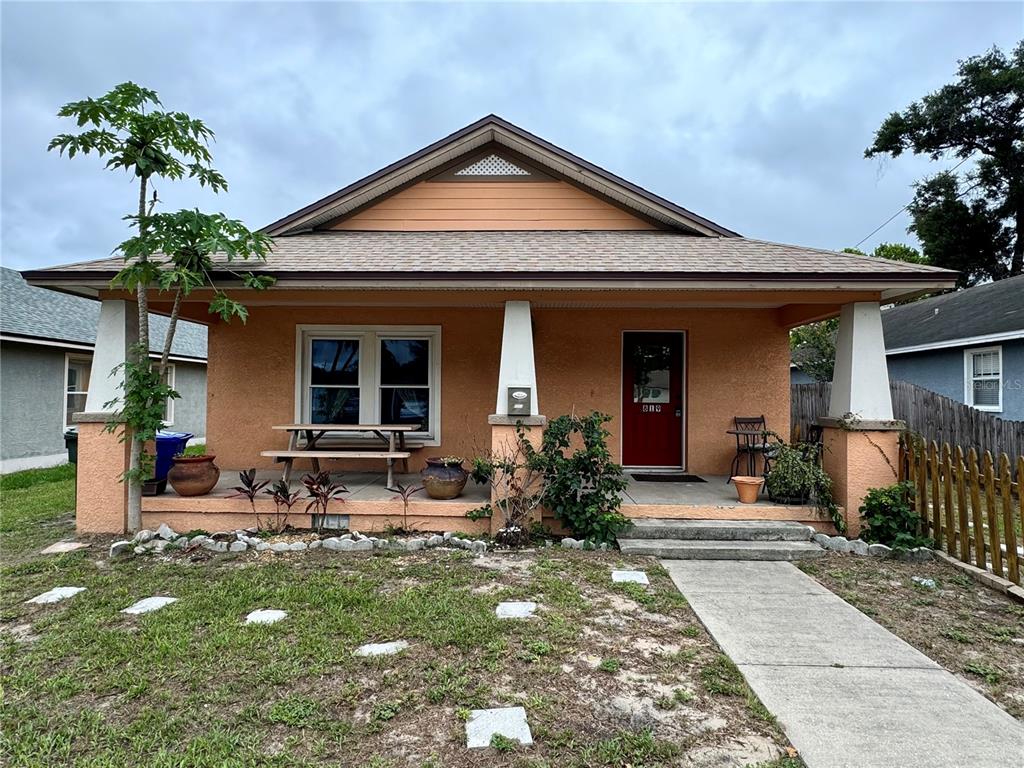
{"x":971,"y":630}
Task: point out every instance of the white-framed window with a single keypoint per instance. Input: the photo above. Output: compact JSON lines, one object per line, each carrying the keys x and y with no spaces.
{"x":169,"y":405}
{"x":77,"y":372}
{"x":370,"y":375}
{"x":983,"y":378}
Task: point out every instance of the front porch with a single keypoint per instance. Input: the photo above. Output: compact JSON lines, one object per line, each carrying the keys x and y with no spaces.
{"x":370,"y":507}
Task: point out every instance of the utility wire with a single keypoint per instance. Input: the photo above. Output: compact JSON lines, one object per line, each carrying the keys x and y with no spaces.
{"x":901,"y":210}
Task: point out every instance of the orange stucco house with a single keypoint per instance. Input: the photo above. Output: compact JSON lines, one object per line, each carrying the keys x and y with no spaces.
{"x":493,"y":260}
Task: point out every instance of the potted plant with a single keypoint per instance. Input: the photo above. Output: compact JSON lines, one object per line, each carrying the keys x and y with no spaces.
{"x":444,"y":477}
{"x":193,"y":475}
{"x":747,"y":488}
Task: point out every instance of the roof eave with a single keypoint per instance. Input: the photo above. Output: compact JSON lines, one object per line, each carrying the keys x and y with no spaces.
{"x":890,"y":286}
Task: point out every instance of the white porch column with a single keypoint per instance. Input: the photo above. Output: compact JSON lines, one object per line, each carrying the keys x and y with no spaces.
{"x":116,"y":333}
{"x":517,"y":364}
{"x":860,"y":383}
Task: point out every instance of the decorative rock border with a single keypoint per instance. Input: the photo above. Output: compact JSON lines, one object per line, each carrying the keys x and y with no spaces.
{"x":164,"y":539}
{"x":847,"y":546}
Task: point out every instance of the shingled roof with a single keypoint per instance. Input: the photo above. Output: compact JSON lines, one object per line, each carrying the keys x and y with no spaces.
{"x":993,"y":309}
{"x":553,"y":254}
{"x":36,"y":313}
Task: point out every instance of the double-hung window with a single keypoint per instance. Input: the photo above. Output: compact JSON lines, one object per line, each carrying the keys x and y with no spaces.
{"x":983,"y":378}
{"x":370,"y":375}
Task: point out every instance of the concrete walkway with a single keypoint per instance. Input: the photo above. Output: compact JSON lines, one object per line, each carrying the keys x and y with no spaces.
{"x":848,"y":693}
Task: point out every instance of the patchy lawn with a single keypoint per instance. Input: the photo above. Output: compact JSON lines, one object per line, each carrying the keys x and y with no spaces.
{"x":609,"y":675}
{"x":971,"y":630}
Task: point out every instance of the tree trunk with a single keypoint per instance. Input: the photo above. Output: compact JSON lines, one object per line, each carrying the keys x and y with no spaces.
{"x":140,"y":357}
{"x":1017,"y":262}
{"x":172,"y":324}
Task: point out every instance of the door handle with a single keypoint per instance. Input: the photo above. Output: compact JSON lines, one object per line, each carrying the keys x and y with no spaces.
{"x":679,"y":411}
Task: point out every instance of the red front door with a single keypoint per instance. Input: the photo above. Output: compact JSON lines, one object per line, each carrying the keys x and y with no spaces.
{"x":652,"y":399}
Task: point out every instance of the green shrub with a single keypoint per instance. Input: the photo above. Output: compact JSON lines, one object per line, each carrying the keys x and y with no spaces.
{"x":582,"y":488}
{"x":889,"y":517}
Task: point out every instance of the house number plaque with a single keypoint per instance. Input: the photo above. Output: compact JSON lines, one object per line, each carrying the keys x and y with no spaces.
{"x":651,"y":408}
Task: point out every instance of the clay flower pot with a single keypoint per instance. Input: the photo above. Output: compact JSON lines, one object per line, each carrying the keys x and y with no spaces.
{"x":444,"y":478}
{"x":193,"y":475}
{"x":747,"y":488}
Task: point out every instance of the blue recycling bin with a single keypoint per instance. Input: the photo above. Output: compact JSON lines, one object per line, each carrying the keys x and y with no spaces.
{"x":169,"y":445}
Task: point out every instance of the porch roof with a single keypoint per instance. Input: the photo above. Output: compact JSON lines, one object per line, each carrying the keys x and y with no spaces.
{"x":637,"y":256}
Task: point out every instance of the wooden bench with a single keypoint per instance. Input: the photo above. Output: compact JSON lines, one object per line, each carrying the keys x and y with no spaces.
{"x":289,"y":456}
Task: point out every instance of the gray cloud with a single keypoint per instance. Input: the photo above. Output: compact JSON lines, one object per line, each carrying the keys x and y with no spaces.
{"x":755,"y":116}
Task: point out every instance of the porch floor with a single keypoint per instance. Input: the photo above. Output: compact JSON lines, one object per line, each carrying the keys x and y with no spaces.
{"x":713,"y":493}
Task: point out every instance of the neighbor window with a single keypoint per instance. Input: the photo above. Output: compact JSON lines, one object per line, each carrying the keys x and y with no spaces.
{"x":78,"y":369}
{"x":360,"y":375}
{"x":169,"y":405}
{"x":983,"y":378}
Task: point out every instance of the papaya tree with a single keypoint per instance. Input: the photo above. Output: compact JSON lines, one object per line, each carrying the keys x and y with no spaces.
{"x":169,"y":252}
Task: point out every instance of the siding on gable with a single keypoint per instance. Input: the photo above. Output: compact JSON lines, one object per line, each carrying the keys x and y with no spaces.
{"x":491,"y":205}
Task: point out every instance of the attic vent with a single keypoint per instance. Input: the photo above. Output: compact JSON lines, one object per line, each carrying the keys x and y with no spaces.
{"x":492,"y":165}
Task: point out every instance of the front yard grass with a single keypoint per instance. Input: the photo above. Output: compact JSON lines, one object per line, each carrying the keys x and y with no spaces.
{"x":609,"y":675}
{"x":969,"y":629}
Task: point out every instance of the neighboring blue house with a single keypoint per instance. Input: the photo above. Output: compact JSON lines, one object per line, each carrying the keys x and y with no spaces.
{"x":967,"y":345}
{"x":46,"y":349}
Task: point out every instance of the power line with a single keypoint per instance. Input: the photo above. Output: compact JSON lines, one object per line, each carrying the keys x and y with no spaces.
{"x":901,"y":210}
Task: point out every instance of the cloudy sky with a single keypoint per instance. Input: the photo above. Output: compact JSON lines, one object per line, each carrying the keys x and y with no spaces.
{"x":755,"y":116}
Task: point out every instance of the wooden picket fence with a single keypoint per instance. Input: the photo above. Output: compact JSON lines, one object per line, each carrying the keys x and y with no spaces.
{"x":972,"y":510}
{"x":930,"y":415}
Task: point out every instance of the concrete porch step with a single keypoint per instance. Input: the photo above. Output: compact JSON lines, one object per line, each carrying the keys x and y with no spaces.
{"x":718,"y":530}
{"x":678,"y":549}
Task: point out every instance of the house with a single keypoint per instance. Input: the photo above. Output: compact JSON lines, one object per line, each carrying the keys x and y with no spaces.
{"x":47,"y":342}
{"x":493,"y":261}
{"x":968,"y":346}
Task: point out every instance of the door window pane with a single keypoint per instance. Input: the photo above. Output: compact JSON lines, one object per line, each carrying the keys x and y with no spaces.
{"x":335,"y":361}
{"x":404,"y":361}
{"x":334,"y":405}
{"x":652,"y":378}
{"x":405,"y":405}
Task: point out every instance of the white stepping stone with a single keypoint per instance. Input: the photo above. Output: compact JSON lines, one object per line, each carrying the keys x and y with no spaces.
{"x":509,"y":722}
{"x":630,"y":577}
{"x":515,"y":610}
{"x":55,"y":595}
{"x":265,"y":616}
{"x":64,"y":546}
{"x":149,"y":604}
{"x":382,"y":649}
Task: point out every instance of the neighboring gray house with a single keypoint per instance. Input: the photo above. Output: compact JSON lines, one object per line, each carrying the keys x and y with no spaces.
{"x":967,"y":345}
{"x":46,"y":344}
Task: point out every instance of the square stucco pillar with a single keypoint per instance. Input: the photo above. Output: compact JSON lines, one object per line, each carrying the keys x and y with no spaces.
{"x":517,"y":369}
{"x":101,"y":503}
{"x":861,"y":438}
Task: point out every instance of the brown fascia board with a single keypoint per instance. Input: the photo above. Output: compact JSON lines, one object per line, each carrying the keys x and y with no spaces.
{"x":523,"y":134}
{"x":77,"y":277}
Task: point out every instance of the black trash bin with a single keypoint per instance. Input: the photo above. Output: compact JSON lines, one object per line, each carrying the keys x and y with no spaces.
{"x":71,"y":443}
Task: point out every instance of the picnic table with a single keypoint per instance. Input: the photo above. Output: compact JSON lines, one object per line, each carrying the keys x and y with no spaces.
{"x":392,"y":435}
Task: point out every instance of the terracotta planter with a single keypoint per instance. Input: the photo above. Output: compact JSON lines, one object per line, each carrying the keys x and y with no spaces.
{"x":747,"y":488}
{"x":193,"y":475}
{"x":443,"y":481}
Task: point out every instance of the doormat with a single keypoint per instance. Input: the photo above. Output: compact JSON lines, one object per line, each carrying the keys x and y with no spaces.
{"x":652,"y":477}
